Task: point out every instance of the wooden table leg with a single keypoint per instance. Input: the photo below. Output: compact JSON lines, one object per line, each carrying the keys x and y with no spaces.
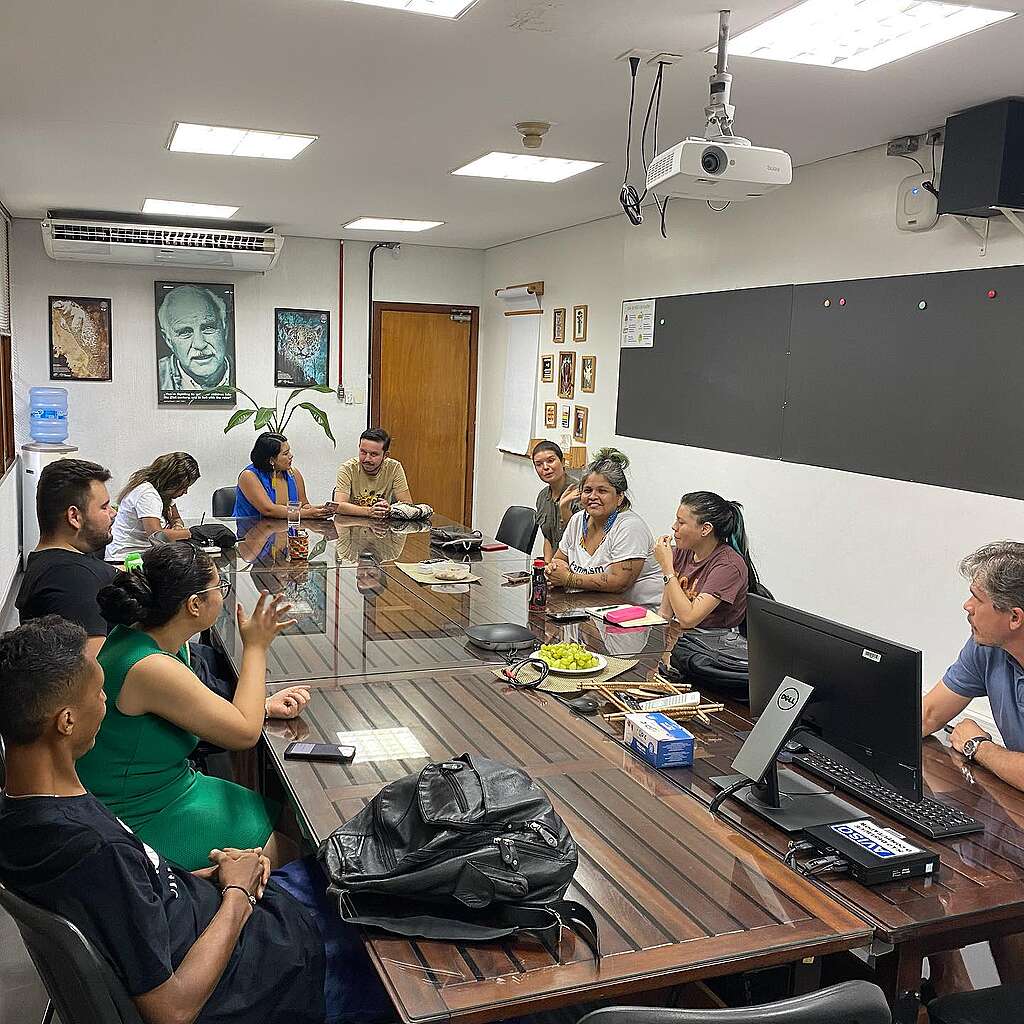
{"x":899,"y":976}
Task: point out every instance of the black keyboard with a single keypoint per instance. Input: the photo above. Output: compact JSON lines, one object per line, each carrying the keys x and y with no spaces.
{"x":929,"y":817}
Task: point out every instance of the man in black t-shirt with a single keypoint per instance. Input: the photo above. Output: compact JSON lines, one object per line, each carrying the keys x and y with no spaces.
{"x":229,"y":943}
{"x":66,"y":570}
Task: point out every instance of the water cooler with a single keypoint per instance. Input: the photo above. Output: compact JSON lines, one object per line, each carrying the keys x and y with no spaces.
{"x":34,"y":456}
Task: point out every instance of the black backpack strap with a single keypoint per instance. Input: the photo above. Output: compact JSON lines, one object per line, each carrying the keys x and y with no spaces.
{"x":502,"y":921}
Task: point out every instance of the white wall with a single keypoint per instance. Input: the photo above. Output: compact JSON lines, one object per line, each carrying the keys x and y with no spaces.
{"x":877,"y":554}
{"x":120,"y":425}
{"x":10,"y":519}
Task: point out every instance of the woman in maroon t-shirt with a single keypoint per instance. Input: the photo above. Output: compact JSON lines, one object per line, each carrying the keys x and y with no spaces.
{"x":709,"y":572}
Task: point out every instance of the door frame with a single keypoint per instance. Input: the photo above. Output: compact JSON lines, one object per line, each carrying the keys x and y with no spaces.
{"x":374,"y":374}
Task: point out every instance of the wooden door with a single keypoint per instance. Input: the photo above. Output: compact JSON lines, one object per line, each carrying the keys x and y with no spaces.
{"x":423,"y":392}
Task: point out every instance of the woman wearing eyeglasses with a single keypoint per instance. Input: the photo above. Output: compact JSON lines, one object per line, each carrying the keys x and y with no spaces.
{"x":158,"y":710}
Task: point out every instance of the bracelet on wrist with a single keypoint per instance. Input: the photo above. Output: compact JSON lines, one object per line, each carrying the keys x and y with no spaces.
{"x":248,"y":895}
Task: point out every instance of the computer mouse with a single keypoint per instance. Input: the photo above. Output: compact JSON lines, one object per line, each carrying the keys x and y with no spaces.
{"x":584,"y":705}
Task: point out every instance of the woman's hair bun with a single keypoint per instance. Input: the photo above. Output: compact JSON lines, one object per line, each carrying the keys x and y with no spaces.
{"x":126,"y":599}
{"x":611,"y":455}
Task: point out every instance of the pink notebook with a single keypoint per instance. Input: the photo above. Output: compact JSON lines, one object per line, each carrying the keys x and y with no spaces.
{"x":620,"y":615}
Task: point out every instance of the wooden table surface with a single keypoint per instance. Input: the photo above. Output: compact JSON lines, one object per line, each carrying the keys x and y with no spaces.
{"x":343,"y":541}
{"x":678,"y":895}
{"x":398,"y":647}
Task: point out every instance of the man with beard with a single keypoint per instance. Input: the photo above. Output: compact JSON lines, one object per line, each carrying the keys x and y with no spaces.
{"x":66,"y":570}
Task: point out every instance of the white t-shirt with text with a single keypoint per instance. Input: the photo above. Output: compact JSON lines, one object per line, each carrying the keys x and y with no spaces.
{"x":630,"y":537}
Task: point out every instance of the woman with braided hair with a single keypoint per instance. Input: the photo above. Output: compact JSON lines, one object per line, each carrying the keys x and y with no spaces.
{"x":709,"y":572}
{"x":606,"y":546}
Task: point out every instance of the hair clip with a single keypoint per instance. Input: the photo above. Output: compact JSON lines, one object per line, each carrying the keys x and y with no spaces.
{"x":133,"y":562}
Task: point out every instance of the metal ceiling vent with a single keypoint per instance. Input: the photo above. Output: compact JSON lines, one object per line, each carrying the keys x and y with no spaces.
{"x":144,"y":244}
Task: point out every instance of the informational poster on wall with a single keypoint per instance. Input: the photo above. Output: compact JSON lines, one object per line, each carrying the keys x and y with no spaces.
{"x":637,"y":329}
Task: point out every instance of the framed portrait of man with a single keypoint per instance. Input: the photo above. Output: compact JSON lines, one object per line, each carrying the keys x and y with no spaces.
{"x":195,"y":342}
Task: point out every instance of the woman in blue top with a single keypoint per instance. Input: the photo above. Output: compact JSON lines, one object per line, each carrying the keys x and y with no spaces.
{"x":269,"y":483}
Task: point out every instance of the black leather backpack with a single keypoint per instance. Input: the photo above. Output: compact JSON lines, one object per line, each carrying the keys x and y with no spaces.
{"x":713,"y":657}
{"x":467,"y":850}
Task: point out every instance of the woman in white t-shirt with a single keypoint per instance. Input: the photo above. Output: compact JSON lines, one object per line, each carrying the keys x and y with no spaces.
{"x":146,"y":504}
{"x":606,"y":546}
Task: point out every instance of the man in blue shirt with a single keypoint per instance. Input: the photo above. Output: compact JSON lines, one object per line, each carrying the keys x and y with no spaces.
{"x":990,"y":665}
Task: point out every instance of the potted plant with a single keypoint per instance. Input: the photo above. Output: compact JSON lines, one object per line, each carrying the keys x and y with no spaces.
{"x":265,"y":417}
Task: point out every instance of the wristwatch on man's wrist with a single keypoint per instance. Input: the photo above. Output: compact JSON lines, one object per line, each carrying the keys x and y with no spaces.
{"x":971,"y":746}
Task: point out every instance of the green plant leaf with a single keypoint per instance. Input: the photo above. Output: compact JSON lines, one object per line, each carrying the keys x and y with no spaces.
{"x":321,"y":417}
{"x":238,"y":417}
{"x":263,"y":417}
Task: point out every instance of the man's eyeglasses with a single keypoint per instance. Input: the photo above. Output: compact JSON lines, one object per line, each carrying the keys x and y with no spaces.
{"x":223,"y":585}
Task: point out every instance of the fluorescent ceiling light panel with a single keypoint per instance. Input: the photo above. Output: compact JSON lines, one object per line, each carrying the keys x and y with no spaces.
{"x":391,"y":224}
{"x":859,"y":35}
{"x":438,"y":8}
{"x":523,"y":167}
{"x":178,"y":209}
{"x":208,"y":138}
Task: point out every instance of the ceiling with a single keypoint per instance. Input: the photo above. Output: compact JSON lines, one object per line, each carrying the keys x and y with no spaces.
{"x":89,"y":91}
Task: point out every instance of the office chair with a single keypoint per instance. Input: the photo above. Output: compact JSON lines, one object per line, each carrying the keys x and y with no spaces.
{"x":852,"y":1002}
{"x":224,"y":502}
{"x":82,"y":987}
{"x":518,"y":528}
{"x":985,"y":1006}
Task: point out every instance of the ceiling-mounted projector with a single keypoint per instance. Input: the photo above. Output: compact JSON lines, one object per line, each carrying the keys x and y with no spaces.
{"x":726,"y":170}
{"x":721,"y":167}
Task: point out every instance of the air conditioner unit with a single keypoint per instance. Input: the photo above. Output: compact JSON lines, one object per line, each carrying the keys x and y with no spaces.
{"x":98,"y":241}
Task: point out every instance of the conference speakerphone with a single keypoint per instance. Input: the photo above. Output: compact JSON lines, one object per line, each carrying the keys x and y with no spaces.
{"x":872,"y":853}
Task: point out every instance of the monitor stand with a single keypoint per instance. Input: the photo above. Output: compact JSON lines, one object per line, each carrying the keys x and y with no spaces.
{"x":789,"y":800}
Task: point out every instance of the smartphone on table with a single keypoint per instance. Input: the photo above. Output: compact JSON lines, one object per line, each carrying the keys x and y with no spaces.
{"x":332,"y":753}
{"x":568,"y":615}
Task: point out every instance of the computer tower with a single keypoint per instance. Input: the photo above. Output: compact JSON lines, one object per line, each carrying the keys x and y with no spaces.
{"x":983,"y":159}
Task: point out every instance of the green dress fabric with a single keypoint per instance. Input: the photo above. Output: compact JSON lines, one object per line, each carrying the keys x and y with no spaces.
{"x":139,"y":769}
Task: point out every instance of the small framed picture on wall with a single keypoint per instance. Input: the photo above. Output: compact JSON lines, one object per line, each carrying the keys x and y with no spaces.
{"x":566,"y":374}
{"x":566,"y":416}
{"x":579,"y":323}
{"x":550,"y":415}
{"x":547,"y":368}
{"x":579,"y":425}
{"x":558,"y":327}
{"x":79,"y":338}
{"x":588,"y":374}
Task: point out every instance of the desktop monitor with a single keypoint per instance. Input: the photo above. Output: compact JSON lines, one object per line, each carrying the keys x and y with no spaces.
{"x":866,"y":707}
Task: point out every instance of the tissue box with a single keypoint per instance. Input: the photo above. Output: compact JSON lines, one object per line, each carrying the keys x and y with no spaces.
{"x":658,"y":740}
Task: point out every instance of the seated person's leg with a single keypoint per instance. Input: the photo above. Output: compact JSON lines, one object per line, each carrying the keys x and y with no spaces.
{"x":353,"y":992}
{"x":213,"y":814}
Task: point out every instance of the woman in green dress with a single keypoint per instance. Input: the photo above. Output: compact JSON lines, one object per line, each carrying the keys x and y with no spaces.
{"x":158,"y":710}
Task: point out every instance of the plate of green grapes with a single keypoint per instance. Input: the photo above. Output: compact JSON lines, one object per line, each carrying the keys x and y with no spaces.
{"x":567,"y":659}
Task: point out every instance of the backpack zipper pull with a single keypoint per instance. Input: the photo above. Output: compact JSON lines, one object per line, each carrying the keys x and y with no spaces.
{"x":507,"y":849}
{"x":545,"y":833}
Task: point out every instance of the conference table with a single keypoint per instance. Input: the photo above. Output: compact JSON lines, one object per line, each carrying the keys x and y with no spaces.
{"x":680,"y":895}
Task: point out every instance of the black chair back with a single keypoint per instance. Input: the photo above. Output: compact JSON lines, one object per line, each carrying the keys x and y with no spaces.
{"x":80,"y":983}
{"x":224,"y":502}
{"x":852,"y":1002}
{"x":518,"y":528}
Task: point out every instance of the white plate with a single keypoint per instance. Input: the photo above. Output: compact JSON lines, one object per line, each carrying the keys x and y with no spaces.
{"x":602,"y":663}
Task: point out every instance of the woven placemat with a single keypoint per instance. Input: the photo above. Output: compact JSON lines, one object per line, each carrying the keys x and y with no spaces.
{"x":423,"y":575}
{"x":575,"y":684}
